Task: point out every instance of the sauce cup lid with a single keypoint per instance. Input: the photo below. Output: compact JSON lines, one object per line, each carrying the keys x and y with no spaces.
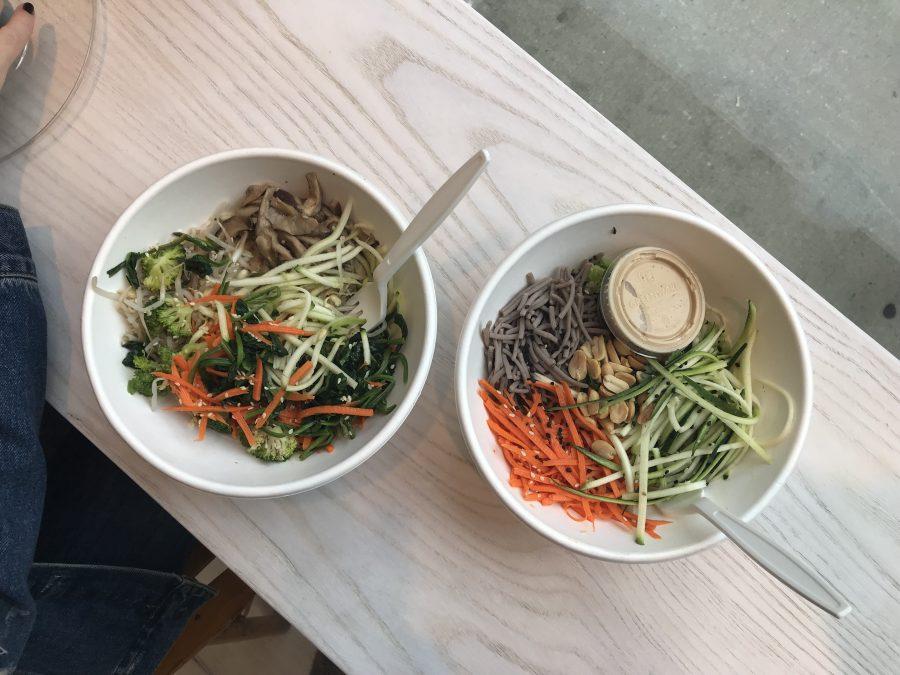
{"x":652,"y":301}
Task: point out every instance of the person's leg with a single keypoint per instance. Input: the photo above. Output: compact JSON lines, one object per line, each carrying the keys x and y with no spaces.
{"x":94,"y":514}
{"x":22,"y":372}
{"x":108,"y":573}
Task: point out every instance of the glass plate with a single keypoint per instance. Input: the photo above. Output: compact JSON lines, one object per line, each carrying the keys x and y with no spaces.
{"x":47,"y":76}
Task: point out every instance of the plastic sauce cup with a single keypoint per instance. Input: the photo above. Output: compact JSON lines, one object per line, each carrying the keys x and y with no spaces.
{"x":652,"y":301}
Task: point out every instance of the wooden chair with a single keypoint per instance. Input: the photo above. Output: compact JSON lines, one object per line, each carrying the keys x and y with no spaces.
{"x":222,"y":619}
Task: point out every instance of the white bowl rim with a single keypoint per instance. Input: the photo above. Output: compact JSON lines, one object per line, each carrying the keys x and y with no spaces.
{"x":510,"y":498}
{"x":394,"y":420}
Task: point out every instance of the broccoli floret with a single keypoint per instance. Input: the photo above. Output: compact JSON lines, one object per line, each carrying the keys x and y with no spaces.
{"x":273,"y":448}
{"x":141,"y":383}
{"x":144,"y":364}
{"x":163,"y":361}
{"x":164,"y":358}
{"x":142,"y":380}
{"x":595,"y":277}
{"x":172,"y":317}
{"x":161,"y":266}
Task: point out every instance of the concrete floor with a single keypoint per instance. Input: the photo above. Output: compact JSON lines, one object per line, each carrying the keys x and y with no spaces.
{"x":784,"y":116}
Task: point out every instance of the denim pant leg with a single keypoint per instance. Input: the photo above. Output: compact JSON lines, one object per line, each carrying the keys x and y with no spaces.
{"x":22,"y":473}
{"x":95,"y":619}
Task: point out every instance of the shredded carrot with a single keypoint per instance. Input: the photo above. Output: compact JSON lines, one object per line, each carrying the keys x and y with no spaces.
{"x":375,"y":385}
{"x":300,"y":373}
{"x":236,"y":391}
{"x":258,"y":380}
{"x":179,"y":361}
{"x":216,"y":297}
{"x":191,"y":364}
{"x":333,"y":410}
{"x":180,"y":382}
{"x":538,"y":444}
{"x":258,"y":337}
{"x":273,"y":327}
{"x":201,"y":434}
{"x":207,"y":408}
{"x":245,"y":428}
{"x":329,"y":448}
{"x":295,"y":377}
{"x":216,"y":371}
{"x":276,"y":399}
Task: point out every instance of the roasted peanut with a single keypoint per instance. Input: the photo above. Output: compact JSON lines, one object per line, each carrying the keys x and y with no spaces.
{"x":611,"y":352}
{"x":603,"y":449}
{"x":628,"y":378}
{"x":598,"y":348}
{"x":635,"y":362}
{"x":614,"y":384}
{"x":645,"y":413}
{"x":592,"y":408}
{"x":621,"y":348}
{"x":618,"y":413}
{"x":578,"y":366}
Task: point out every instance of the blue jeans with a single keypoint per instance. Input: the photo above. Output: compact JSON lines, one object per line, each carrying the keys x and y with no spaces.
{"x":105,"y":596}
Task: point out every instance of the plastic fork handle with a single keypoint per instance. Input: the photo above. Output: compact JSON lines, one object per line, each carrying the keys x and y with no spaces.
{"x":784,"y":566}
{"x":431,"y":215}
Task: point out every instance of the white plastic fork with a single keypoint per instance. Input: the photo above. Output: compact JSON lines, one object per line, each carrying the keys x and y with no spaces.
{"x":371,"y":299}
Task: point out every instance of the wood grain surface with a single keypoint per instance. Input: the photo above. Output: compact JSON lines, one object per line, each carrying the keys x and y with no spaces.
{"x":412,"y":563}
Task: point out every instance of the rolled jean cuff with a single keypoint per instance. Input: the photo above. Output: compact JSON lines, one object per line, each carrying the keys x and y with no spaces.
{"x":15,"y":254}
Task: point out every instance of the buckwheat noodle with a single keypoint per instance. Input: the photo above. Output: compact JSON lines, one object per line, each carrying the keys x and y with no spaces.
{"x":538,"y":330}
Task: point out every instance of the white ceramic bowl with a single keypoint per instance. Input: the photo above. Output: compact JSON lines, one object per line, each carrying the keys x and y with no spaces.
{"x":185,"y":199}
{"x":730,"y":275}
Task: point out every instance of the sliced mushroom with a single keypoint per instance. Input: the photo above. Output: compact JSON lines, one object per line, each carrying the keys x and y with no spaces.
{"x":313,"y":202}
{"x":335,"y":207}
{"x":287,"y":198}
{"x":300,"y":226}
{"x":280,"y":224}
{"x":266,"y":237}
{"x":295,"y":246}
{"x":234,"y":225}
{"x":283,"y":207}
{"x":254,"y":192}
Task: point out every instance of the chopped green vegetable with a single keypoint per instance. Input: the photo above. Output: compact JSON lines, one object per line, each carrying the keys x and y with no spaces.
{"x":595,"y":277}
{"x":141,"y":383}
{"x":129,"y":266}
{"x":161,"y":266}
{"x":173,"y":318}
{"x":142,"y":380}
{"x":273,"y":448}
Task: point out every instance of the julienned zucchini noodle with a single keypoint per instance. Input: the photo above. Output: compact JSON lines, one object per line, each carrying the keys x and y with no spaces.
{"x":245,"y":322}
{"x":605,"y":433}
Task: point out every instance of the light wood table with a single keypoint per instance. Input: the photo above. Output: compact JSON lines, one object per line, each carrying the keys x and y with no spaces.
{"x":411,"y":563}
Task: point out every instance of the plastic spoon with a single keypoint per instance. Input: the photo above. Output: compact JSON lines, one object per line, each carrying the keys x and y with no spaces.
{"x":373,"y":296}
